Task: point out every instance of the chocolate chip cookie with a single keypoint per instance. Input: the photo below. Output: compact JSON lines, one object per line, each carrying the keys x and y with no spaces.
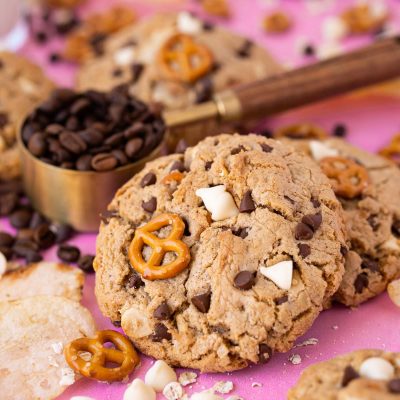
{"x":367,"y":186}
{"x":361,"y":375}
{"x":23,"y":86}
{"x":176,"y":60}
{"x":257,"y":234}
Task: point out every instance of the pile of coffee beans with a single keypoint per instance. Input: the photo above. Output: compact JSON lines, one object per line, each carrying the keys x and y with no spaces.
{"x":34,"y":232}
{"x":92,"y":130}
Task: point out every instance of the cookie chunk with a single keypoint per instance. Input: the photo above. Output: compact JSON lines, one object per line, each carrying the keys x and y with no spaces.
{"x":263,"y":231}
{"x":176,"y":60}
{"x":23,"y":86}
{"x":362,"y":374}
{"x":369,"y":191}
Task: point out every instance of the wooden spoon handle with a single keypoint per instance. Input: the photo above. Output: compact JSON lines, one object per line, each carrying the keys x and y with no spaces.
{"x":369,"y":65}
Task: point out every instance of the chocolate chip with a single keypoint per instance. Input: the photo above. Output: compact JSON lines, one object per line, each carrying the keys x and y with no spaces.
{"x":244,"y":50}
{"x":21,"y":218}
{"x":339,"y":130}
{"x":63,"y":232}
{"x":37,"y":145}
{"x":41,"y":37}
{"x":104,"y":162}
{"x":303,"y":232}
{"x":312,"y":220}
{"x":137,"y":70}
{"x":370,"y":264}
{"x":396,"y":227}
{"x":202,"y":302}
{"x":117,"y":72}
{"x":204,"y":90}
{"x":181,"y":146}
{"x":162,"y":311}
{"x":117,"y":324}
{"x":349,"y":375}
{"x":148,"y":179}
{"x":208,"y":26}
{"x":316,"y":203}
{"x":207,"y":165}
{"x":133,"y":147}
{"x":241,"y":232}
{"x":150,"y":205}
{"x":6,"y":240}
{"x":308,"y":50}
{"x":244,"y":280}
{"x":85,"y":263}
{"x":343,"y":250}
{"x":282,"y":300}
{"x":8,"y":203}
{"x":178,"y":166}
{"x":68,"y":253}
{"x":290,"y":200}
{"x":135,"y":281}
{"x":3,"y":119}
{"x":160,"y":333}
{"x":264,"y":353}
{"x":361,"y":282}
{"x":394,"y":386}
{"x":304,"y":250}
{"x":266,"y":148}
{"x":373,"y":222}
{"x":247,"y":204}
{"x":237,"y":150}
{"x":43,"y":236}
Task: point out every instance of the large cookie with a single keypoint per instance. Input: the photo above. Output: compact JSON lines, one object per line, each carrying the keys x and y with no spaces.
{"x":22,"y":87}
{"x":360,"y":375}
{"x":227,"y":308}
{"x":372,"y":219}
{"x":133,"y":55}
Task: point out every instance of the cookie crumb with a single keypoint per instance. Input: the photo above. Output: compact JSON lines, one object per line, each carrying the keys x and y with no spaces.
{"x":295,"y":359}
{"x":173,"y":391}
{"x":335,"y":327}
{"x":223,"y":387}
{"x":256,"y":384}
{"x":235,"y":397}
{"x":57,"y":347}
{"x":308,"y":342}
{"x":186,"y":378}
{"x":67,"y":377}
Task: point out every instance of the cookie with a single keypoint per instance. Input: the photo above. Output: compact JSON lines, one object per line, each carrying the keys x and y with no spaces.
{"x":23,"y":86}
{"x":362,"y":374}
{"x":32,"y":351}
{"x":156,"y":57}
{"x":258,"y":233}
{"x":372,"y":214}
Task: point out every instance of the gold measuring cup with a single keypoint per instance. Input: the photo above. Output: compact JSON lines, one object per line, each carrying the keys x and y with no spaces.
{"x":78,"y":197}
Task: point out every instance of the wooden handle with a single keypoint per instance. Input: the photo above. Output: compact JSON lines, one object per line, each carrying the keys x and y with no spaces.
{"x":369,"y":65}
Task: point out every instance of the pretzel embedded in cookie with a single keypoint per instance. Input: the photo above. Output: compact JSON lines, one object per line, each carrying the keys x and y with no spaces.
{"x":350,"y":178}
{"x":302,"y":131}
{"x":124,"y":355}
{"x":392,"y":150}
{"x":182,"y":59}
{"x":153,"y":268}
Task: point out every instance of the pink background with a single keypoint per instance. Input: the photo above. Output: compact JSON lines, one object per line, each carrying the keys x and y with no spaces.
{"x":371,"y":122}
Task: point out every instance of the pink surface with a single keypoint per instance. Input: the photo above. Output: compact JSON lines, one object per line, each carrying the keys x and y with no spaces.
{"x":371,"y":123}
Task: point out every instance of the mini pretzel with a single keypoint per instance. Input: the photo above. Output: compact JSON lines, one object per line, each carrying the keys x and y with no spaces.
{"x":392,"y":150}
{"x":182,"y":59}
{"x":124,"y":355}
{"x":350,"y":178}
{"x":362,"y":19}
{"x":302,"y":131}
{"x":153,"y":268}
{"x":174,"y":176}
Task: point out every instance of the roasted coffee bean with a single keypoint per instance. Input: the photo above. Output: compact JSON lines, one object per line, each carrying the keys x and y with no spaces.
{"x":244,"y":280}
{"x":120,"y":156}
{"x":25,"y":234}
{"x":21,"y":218}
{"x":148,"y":179}
{"x":304,"y":250}
{"x":160,"y":333}
{"x":135,"y":130}
{"x":150,"y":205}
{"x":6,"y":240}
{"x":63,"y":232}
{"x":104,"y":162}
{"x":37,"y":144}
{"x":85,"y":263}
{"x":72,"y":123}
{"x":91,"y":136}
{"x":115,"y":140}
{"x":72,"y":142}
{"x":7,"y":252}
{"x":68,"y":253}
{"x":349,"y":375}
{"x":33,"y":257}
{"x":135,"y":281}
{"x":100,"y":149}
{"x":14,"y":186}
{"x":28,"y":130}
{"x":84,"y":162}
{"x":162,"y":311}
{"x":264,"y":353}
{"x":303,"y":232}
{"x":202,"y":302}
{"x":43,"y":236}
{"x":79,"y":105}
{"x":247,"y":204}
{"x":8,"y":203}
{"x":22,"y":247}
{"x":133,"y":147}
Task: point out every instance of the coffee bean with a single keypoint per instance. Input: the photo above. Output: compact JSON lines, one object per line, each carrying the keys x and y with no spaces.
{"x":394,"y":386}
{"x":115,"y":140}
{"x":43,"y":236}
{"x":361,"y":282}
{"x":181,"y":146}
{"x":14,"y":187}
{"x":247,"y":204}
{"x":120,"y":157}
{"x":37,"y":220}
{"x":304,"y":250}
{"x":163,"y":311}
{"x":54,"y":57}
{"x":244,"y":280}
{"x":266,"y":148}
{"x":349,"y":375}
{"x":148,"y":179}
{"x":303,"y":232}
{"x":22,"y":247}
{"x":370,"y":264}
{"x":282,"y":300}
{"x":79,"y":105}
{"x":396,"y":227}
{"x":33,"y":257}
{"x":37,"y":145}
{"x":133,"y":147}
{"x":6,"y":240}
{"x":7,"y":252}
{"x":68,"y":253}
{"x":312,"y":220}
{"x":91,"y":136}
{"x":8,"y":203}
{"x":72,"y":123}
{"x":160,"y":333}
{"x":72,"y":142}
{"x":84,"y":162}
{"x":41,"y":37}
{"x":25,"y":234}
{"x":178,"y":166}
{"x":85,"y":263}
{"x":135,"y":281}
{"x":21,"y":218}
{"x":135,"y":130}
{"x":104,"y":162}
{"x":264,"y":353}
{"x":202,"y":302}
{"x":150,"y":205}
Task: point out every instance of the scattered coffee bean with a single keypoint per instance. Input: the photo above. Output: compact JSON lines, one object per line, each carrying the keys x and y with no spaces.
{"x":104,"y":162}
{"x":37,"y":220}
{"x":308,"y":50}
{"x":244,"y":280}
{"x":394,"y":386}
{"x":68,"y":253}
{"x":63,"y":232}
{"x":54,"y":58}
{"x":349,"y":375}
{"x":148,"y":179}
{"x":43,"y":236}
{"x":6,"y":240}
{"x":202,"y":302}
{"x":312,"y":220}
{"x":181,"y":146}
{"x":21,"y":218}
{"x":23,"y":247}
{"x":361,"y":282}
{"x":41,"y":37}
{"x":304,"y":250}
{"x":85,"y":263}
{"x":162,"y":311}
{"x":264,"y":353}
{"x":247,"y":204}
{"x":7,"y":252}
{"x":160,"y":333}
{"x":339,"y":130}
{"x":8,"y":203}
{"x":33,"y":257}
{"x":135,"y":281}
{"x":282,"y":300}
{"x":303,"y":232}
{"x":150,"y":205}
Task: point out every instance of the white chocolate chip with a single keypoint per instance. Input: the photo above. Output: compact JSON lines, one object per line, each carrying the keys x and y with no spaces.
{"x":218,"y":202}
{"x":377,"y":368}
{"x":3,"y":264}
{"x":27,"y":85}
{"x":394,"y":292}
{"x":223,"y":387}
{"x":321,"y":150}
{"x":81,"y":398}
{"x":67,"y":377}
{"x":189,"y":24}
{"x":391,"y":244}
{"x":280,"y":273}
{"x":173,"y":391}
{"x":134,"y":320}
{"x":139,"y":390}
{"x":57,"y":347}
{"x":186,"y":378}
{"x":159,"y":375}
{"x":333,"y":29}
{"x":125,"y":56}
{"x":207,"y":395}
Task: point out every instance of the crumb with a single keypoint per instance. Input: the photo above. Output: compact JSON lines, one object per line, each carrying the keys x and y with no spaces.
{"x":173,"y":391}
{"x":223,"y":387}
{"x":308,"y":342}
{"x":256,"y":384}
{"x":295,"y":359}
{"x":57,"y":347}
{"x":67,"y":377}
{"x":186,"y":378}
